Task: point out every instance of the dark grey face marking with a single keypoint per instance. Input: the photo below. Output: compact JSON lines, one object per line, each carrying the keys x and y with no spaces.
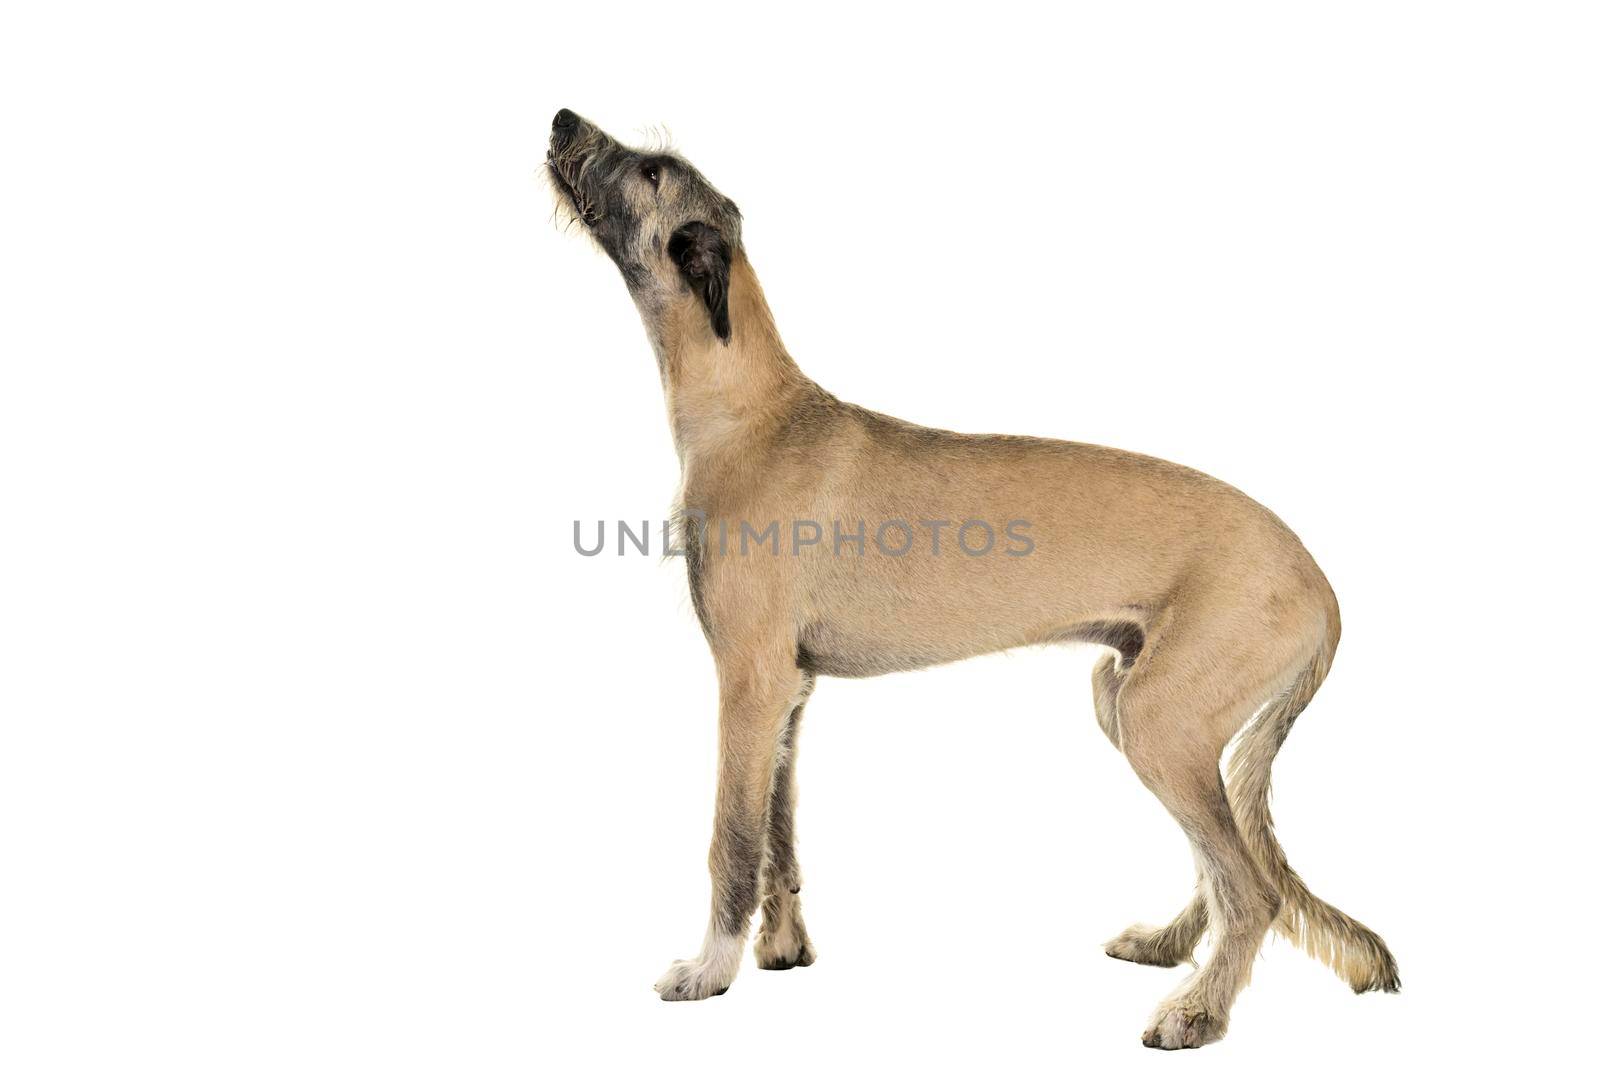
{"x":663,"y":225}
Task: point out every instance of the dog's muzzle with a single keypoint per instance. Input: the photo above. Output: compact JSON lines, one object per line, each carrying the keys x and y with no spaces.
{"x":570,"y":149}
{"x":563,"y":127}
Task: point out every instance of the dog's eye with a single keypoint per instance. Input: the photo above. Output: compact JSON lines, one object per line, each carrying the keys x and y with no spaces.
{"x":652,"y":173}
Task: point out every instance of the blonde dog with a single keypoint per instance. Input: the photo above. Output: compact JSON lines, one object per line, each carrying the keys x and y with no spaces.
{"x":1217,"y":618}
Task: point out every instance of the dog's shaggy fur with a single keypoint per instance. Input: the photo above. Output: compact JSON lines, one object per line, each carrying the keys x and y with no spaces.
{"x":1217,"y":617}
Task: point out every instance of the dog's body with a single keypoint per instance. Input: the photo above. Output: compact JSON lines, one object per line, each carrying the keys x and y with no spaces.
{"x":1216,"y":614}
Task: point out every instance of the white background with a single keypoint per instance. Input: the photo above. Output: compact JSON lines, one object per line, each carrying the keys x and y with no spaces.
{"x":322,"y":745}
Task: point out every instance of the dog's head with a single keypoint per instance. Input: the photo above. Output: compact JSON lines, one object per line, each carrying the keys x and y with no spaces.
{"x":672,"y":235}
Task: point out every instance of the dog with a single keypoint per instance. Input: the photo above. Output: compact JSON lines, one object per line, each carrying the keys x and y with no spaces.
{"x":1217,"y":620}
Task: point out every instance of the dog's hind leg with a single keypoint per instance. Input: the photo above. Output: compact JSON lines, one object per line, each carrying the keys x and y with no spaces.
{"x":1357,"y":953}
{"x":1205,"y":673}
{"x":1158,"y":946}
{"x":1164,"y":946}
{"x":782,"y":942}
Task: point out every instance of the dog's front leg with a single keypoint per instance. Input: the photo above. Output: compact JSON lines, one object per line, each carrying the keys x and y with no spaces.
{"x":782,"y":942}
{"x":758,"y":691}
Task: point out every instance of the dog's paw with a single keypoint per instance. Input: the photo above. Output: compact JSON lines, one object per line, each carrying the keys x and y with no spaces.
{"x":693,"y":980}
{"x":1145,"y":944}
{"x":784,"y":949}
{"x":1183,"y":1025}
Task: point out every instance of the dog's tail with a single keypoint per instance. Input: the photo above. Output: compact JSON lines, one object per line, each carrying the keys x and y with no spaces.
{"x":1356,"y":954}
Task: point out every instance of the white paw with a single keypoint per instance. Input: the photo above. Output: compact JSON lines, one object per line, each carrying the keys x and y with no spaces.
{"x":1183,"y":1025}
{"x":693,"y":980}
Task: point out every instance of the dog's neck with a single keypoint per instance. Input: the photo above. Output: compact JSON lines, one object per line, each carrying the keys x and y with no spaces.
{"x":723,"y":397}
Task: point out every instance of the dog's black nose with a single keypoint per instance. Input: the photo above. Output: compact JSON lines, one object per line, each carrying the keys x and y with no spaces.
{"x":564,"y":120}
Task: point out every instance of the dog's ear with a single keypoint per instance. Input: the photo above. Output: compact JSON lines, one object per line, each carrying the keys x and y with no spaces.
{"x":703,"y":258}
